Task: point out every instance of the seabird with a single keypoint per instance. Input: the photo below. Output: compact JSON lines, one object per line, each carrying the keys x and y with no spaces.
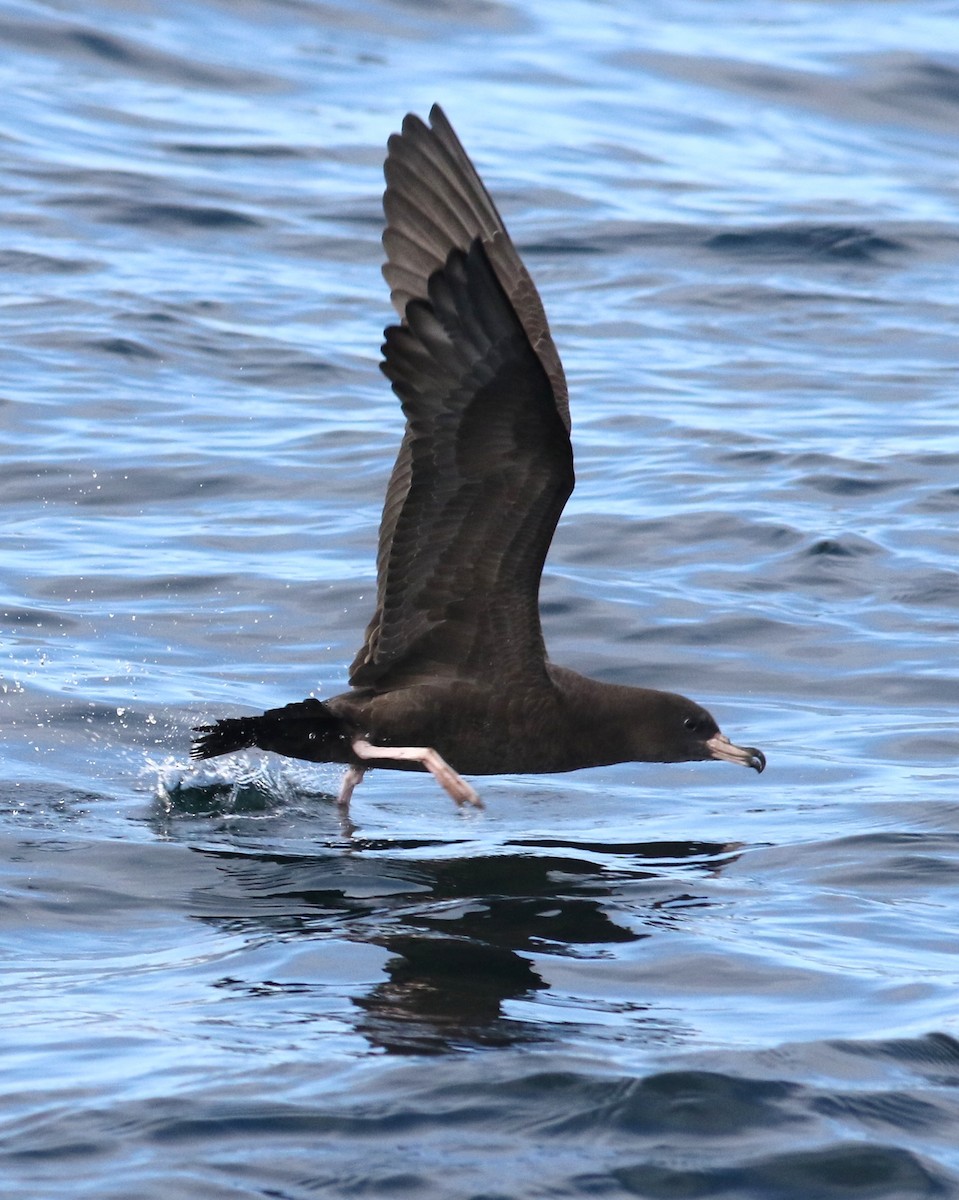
{"x":453,"y":676}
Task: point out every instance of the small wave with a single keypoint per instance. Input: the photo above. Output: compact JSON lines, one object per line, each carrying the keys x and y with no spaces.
{"x":234,"y":787}
{"x":180,"y":216}
{"x":803,"y":242}
{"x":28,"y":262}
{"x":877,"y":1172}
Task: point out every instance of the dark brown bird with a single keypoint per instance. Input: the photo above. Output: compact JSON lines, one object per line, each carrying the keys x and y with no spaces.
{"x":453,"y":674}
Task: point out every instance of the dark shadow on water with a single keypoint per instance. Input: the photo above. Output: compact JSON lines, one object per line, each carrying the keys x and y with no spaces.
{"x":463,"y":935}
{"x":445,"y":992}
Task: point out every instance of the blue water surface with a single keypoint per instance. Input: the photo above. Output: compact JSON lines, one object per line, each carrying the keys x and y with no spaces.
{"x":641,"y":980}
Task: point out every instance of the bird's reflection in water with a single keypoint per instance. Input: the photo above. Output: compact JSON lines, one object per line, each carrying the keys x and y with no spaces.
{"x":465,"y":936}
{"x":449,"y":980}
{"x":444,"y":992}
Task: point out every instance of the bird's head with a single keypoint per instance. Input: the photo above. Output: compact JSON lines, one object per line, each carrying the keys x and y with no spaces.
{"x":677,"y":729}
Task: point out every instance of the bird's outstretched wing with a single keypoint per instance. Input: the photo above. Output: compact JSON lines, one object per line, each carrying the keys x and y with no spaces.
{"x":485,"y":466}
{"x":435,"y":202}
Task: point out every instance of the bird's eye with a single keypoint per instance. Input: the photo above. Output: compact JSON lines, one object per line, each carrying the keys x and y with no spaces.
{"x":691,"y":723}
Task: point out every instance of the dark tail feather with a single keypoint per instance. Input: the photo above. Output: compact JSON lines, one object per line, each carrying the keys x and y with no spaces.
{"x":306,"y":729}
{"x":234,"y":733}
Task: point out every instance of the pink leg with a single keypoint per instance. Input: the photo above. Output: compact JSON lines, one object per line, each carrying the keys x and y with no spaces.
{"x":454,"y":785}
{"x":353,"y":776}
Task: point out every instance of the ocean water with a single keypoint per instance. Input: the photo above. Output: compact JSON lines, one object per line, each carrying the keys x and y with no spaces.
{"x":638,"y":981}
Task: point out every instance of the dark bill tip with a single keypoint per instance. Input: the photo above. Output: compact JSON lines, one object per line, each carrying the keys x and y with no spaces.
{"x":720,"y":747}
